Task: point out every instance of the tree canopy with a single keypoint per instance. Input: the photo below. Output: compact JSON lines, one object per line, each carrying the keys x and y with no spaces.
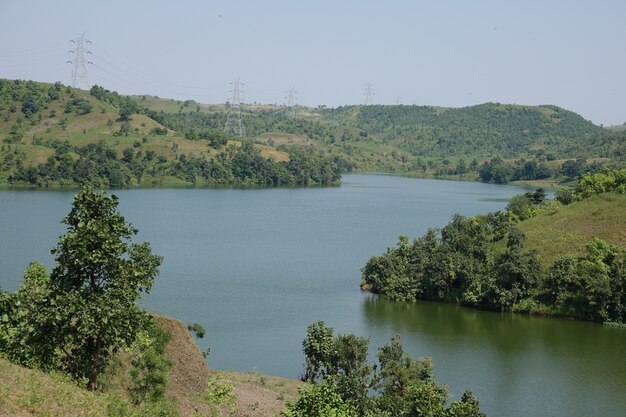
{"x":86,"y":309}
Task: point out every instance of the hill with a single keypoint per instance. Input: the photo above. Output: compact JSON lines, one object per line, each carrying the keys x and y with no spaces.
{"x":568,"y":229}
{"x":417,"y":140}
{"x":26,"y":392}
{"x":52,"y":135}
{"x":55,"y":135}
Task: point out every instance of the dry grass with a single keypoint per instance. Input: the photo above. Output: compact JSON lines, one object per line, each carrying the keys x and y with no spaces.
{"x":26,"y":392}
{"x":256,"y":395}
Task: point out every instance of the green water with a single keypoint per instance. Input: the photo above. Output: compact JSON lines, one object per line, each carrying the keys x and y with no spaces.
{"x":255,"y":267}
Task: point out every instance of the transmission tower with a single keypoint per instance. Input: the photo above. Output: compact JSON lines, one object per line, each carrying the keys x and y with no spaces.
{"x":398,"y":100}
{"x":291,"y":102}
{"x":79,"y":71}
{"x":369,"y":93}
{"x":234,"y":124}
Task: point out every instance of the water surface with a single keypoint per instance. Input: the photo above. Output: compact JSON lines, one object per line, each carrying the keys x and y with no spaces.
{"x":255,"y":267}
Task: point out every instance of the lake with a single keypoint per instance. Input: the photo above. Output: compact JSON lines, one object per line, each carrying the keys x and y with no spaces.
{"x":256,"y":266}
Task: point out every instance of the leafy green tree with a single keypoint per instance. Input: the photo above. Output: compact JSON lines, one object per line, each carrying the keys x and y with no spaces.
{"x":98,"y":278}
{"x":345,"y":385}
{"x":320,"y":400}
{"x":149,"y":368}
{"x":516,"y":271}
{"x":467,"y":407}
{"x":127,"y":108}
{"x":317,"y":348}
{"x":24,"y":333}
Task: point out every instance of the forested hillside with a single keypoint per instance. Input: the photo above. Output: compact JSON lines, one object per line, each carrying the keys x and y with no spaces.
{"x":51,"y":135}
{"x":55,"y":135}
{"x":559,"y":257}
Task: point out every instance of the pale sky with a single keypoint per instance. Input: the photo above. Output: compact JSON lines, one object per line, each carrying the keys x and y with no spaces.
{"x":448,"y":53}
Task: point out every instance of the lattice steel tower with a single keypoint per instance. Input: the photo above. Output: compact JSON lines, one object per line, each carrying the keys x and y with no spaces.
{"x":291,"y":102}
{"x":234,"y":123}
{"x":79,"y":71}
{"x":369,"y":93}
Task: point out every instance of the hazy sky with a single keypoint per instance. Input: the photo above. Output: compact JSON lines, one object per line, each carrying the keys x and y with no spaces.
{"x":448,"y":53}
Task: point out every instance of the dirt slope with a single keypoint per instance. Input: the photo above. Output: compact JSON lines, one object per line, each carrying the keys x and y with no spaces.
{"x":256,"y":395}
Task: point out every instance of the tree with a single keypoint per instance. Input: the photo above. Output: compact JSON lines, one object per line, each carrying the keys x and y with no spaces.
{"x":127,"y":108}
{"x":98,"y":278}
{"x":344,"y":385}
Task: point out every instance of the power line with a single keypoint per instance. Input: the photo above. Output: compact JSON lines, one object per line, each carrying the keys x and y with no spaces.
{"x":79,"y":71}
{"x":234,"y":123}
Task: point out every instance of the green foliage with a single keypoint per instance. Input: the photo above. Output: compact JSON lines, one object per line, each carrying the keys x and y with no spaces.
{"x":98,"y":277}
{"x":320,"y":400}
{"x":80,"y":106}
{"x":197,"y":329}
{"x":345,"y":385}
{"x":24,"y":331}
{"x":149,"y":368}
{"x":482,"y":262}
{"x":220,"y":394}
{"x":608,"y":181}
{"x":590,"y":286}
{"x":86,"y":310}
{"x":528,"y":205}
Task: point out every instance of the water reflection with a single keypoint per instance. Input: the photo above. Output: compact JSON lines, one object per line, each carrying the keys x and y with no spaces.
{"x":509,"y":357}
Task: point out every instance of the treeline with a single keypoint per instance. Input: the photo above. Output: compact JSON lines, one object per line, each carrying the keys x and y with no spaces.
{"x":345,"y":385}
{"x":481,"y":262}
{"x":245,"y":165}
{"x":498,"y":171}
{"x":99,"y":165}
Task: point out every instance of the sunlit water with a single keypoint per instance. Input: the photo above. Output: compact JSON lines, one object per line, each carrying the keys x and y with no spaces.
{"x":256,"y":266}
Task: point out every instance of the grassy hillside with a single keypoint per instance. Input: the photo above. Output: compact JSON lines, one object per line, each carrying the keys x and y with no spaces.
{"x":422,"y":140}
{"x":27,"y":392}
{"x":54,"y":135}
{"x":165,"y":141}
{"x":569,"y":228}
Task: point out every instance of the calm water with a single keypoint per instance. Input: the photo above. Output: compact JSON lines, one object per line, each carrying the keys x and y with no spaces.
{"x":255,"y":267}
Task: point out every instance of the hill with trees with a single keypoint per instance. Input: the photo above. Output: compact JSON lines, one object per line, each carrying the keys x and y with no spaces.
{"x":563,"y":257}
{"x":54,"y":135}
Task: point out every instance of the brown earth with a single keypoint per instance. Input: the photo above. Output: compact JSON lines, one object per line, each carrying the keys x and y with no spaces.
{"x":256,"y":395}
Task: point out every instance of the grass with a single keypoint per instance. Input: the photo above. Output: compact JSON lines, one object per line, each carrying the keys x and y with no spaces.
{"x":571,"y":227}
{"x":28,"y":392}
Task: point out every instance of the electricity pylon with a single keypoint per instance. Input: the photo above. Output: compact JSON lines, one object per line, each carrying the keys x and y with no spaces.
{"x":79,"y":71}
{"x":234,"y":124}
{"x":369,"y":93}
{"x":291,"y":102}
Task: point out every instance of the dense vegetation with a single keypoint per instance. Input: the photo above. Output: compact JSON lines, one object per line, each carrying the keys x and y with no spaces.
{"x":486,"y":129}
{"x":345,"y":385}
{"x":123,"y":148}
{"x":81,"y":315}
{"x":481,"y":261}
{"x":46,"y":130}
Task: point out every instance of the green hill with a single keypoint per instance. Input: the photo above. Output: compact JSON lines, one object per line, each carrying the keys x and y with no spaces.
{"x":417,"y":140}
{"x":54,"y":135}
{"x":568,"y":229}
{"x":51,"y":134}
